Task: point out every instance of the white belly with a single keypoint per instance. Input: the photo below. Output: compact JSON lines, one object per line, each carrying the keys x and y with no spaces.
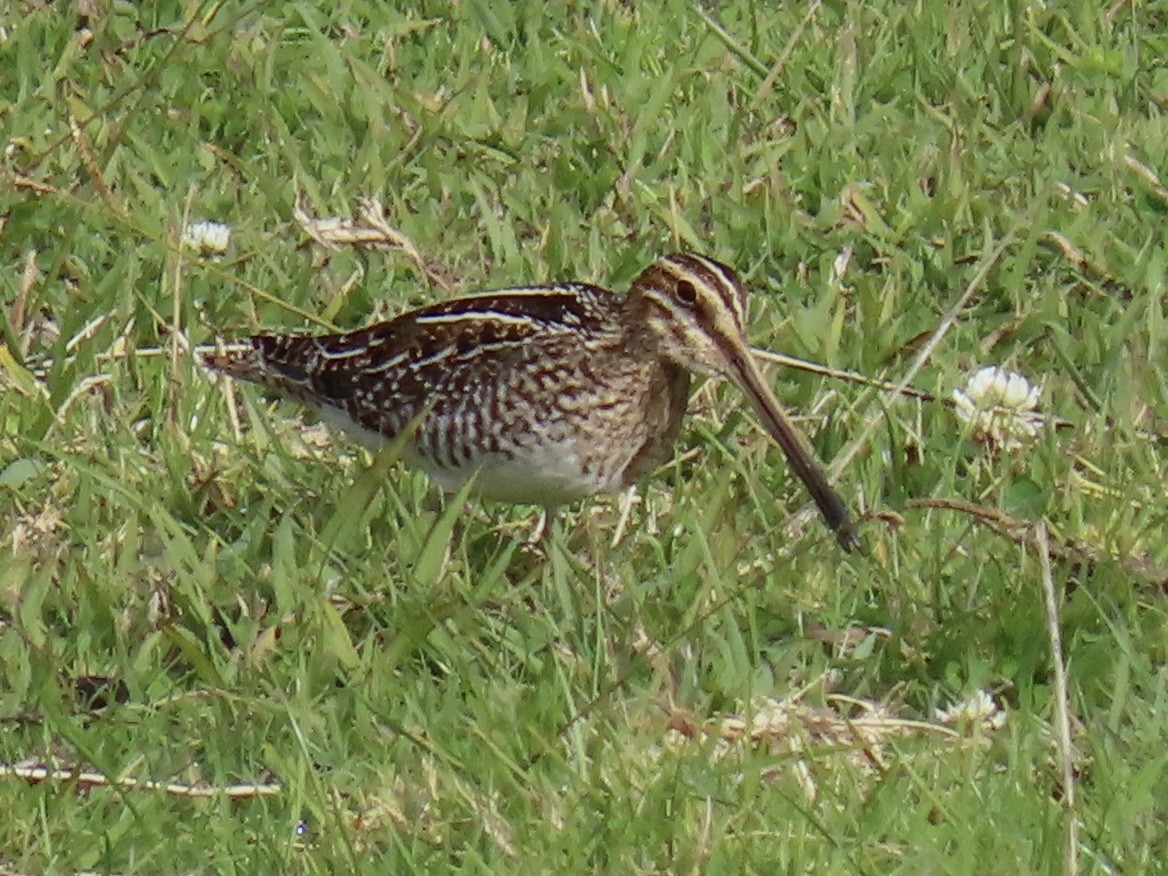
{"x":542,"y":476}
{"x":547,"y":474}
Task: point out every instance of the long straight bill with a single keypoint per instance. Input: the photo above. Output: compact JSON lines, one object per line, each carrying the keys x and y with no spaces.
{"x":778,"y":424}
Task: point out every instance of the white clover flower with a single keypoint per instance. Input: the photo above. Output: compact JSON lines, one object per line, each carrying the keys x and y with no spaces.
{"x":207,"y":238}
{"x":979,"y":709}
{"x":1000,"y":406}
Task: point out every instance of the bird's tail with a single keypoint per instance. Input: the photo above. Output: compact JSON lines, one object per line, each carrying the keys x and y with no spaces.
{"x":251,"y":360}
{"x":238,"y":359}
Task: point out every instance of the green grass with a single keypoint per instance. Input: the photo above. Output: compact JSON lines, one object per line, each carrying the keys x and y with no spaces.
{"x":431,"y":696}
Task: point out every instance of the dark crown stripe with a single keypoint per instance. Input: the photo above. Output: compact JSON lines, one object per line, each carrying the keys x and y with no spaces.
{"x":729,"y":283}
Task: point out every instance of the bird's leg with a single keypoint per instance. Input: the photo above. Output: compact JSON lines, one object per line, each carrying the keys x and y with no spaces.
{"x":541,"y":535}
{"x":627,"y":500}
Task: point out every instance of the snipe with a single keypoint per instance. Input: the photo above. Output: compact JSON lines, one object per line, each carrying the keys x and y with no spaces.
{"x":548,"y":393}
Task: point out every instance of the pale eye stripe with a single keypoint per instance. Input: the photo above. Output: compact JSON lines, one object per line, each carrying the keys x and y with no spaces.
{"x":729,"y":280}
{"x":701,"y":277}
{"x":712,"y":276}
{"x":681,"y":272}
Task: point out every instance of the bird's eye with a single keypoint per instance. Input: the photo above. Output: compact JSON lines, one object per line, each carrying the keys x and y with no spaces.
{"x":686,"y":293}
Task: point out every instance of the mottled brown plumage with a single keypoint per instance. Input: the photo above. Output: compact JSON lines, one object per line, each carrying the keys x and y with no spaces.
{"x":544,"y":394}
